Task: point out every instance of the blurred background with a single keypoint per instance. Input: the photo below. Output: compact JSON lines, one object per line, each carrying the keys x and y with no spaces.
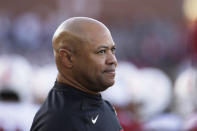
{"x":156,"y":81}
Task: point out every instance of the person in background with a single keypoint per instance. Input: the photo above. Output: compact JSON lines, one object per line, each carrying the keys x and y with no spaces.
{"x":84,"y":53}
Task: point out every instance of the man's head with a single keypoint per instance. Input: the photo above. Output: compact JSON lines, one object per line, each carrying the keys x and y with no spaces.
{"x":84,"y":54}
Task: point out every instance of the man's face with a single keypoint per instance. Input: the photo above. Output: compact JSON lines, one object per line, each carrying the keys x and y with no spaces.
{"x":95,"y":63}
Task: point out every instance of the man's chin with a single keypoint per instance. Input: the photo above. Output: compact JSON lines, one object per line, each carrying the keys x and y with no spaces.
{"x":107,"y":85}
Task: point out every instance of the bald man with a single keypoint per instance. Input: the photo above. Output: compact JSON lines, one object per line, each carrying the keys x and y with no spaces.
{"x":84,"y":53}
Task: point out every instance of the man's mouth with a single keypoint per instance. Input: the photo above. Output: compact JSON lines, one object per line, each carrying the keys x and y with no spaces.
{"x":110,"y":72}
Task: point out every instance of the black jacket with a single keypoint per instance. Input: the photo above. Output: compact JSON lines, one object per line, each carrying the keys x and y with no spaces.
{"x":69,"y":109}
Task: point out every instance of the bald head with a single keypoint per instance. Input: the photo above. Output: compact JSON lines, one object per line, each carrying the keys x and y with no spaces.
{"x":77,"y":30}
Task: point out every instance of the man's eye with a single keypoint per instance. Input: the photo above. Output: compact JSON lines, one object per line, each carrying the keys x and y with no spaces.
{"x":113,"y":50}
{"x":101,"y":52}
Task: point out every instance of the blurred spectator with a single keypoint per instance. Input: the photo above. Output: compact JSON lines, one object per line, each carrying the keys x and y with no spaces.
{"x":185,"y":91}
{"x":152,"y":90}
{"x":8,"y":95}
{"x":15,"y":72}
{"x":16,"y":116}
{"x":42,"y":81}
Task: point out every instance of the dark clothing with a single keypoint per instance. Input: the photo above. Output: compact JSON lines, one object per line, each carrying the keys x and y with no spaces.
{"x":69,"y":109}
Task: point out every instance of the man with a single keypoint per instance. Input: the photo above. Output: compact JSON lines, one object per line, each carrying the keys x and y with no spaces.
{"x":84,"y":53}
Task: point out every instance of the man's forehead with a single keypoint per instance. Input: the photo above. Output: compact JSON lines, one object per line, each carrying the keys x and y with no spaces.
{"x":82,"y":27}
{"x":103,"y":44}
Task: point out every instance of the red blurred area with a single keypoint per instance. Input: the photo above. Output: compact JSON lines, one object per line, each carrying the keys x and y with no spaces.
{"x":128,"y":121}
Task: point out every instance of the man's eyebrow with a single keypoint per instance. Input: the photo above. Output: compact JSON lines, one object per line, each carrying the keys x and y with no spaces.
{"x":103,"y":46}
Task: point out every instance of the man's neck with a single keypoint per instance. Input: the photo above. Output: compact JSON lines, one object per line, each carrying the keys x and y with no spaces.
{"x":74,"y":84}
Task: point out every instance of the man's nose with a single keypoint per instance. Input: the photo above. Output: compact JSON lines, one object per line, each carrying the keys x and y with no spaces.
{"x":111,"y":59}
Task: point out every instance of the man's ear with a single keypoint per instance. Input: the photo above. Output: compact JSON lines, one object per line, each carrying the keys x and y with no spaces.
{"x":66,"y":57}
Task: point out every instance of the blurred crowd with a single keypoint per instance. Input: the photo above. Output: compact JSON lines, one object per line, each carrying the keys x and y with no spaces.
{"x":156,"y":79}
{"x":147,"y":99}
